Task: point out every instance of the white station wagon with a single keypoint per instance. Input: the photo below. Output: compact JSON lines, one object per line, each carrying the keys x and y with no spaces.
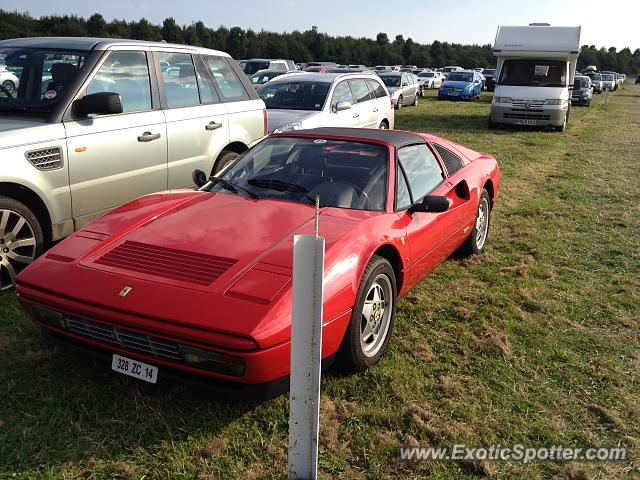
{"x":297,"y":101}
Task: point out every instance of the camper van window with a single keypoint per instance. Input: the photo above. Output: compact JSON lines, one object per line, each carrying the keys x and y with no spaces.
{"x":535,"y":73}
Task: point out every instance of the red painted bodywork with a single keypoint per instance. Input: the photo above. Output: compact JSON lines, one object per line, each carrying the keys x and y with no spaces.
{"x":246,"y":311}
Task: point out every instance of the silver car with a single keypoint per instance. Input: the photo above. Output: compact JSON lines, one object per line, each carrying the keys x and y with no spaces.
{"x":95,"y":123}
{"x":403,"y":87}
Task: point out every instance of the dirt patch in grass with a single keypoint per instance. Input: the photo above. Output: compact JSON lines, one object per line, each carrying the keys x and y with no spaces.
{"x":608,"y":416}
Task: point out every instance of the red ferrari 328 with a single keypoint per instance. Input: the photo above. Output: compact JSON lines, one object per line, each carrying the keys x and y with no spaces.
{"x":198,"y":282}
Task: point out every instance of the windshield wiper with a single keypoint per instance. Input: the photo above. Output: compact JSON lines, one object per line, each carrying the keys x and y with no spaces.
{"x":282,"y":186}
{"x":227,"y":185}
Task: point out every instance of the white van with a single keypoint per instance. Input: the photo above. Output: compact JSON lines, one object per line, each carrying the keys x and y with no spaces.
{"x":536,"y":68}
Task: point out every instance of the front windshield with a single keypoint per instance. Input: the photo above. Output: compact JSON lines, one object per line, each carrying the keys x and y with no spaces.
{"x":391,"y":80}
{"x":34,"y":79}
{"x":295,"y":95}
{"x":533,"y":73}
{"x":426,"y":74}
{"x":460,"y":77}
{"x":343,"y":174}
{"x":607,"y":77}
{"x":490,"y":71}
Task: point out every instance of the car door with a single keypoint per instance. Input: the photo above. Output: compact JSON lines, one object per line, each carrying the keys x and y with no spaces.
{"x":419,"y":173}
{"x":383,"y":102}
{"x":116,"y":158}
{"x":345,"y":118}
{"x":366,"y":106}
{"x":409,"y":91}
{"x":197,"y":123}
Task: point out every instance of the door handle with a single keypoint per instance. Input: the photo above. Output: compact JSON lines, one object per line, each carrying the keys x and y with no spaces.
{"x":356,"y":115}
{"x":213,"y":126}
{"x":148,"y":136}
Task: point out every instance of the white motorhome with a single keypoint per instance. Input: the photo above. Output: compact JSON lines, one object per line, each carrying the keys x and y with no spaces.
{"x":536,"y":66}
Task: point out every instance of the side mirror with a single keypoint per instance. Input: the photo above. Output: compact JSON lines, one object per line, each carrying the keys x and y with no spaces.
{"x":430,"y":203}
{"x":199,"y":178}
{"x":340,"y":106}
{"x":101,"y":103}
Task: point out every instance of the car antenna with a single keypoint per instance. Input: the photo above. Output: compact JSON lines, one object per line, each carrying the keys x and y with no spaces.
{"x":317,"y":220}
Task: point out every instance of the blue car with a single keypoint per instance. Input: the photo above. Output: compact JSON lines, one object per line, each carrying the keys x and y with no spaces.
{"x":461,"y":85}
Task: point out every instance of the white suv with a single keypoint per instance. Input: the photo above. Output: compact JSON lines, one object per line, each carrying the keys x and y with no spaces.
{"x":307,"y":100}
{"x":95,"y":123}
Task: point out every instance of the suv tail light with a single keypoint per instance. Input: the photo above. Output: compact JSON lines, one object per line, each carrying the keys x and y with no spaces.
{"x":265,"y":121}
{"x":393,"y":105}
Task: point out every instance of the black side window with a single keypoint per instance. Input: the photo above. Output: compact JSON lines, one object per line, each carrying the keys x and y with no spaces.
{"x":422,"y":169}
{"x":451,"y":161}
{"x":403,"y":198}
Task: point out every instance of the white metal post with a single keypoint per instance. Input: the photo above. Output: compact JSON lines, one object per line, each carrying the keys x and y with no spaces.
{"x":306,"y":348}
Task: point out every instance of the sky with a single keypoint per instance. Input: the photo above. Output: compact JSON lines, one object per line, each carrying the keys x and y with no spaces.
{"x":604,"y":23}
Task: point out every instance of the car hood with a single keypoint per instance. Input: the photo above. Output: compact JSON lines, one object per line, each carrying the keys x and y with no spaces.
{"x":280,"y":117}
{"x":22,"y":131}
{"x":209,"y":261}
{"x":455,"y":84}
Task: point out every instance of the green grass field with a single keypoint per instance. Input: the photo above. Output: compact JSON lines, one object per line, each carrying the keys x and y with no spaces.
{"x":536,"y":342}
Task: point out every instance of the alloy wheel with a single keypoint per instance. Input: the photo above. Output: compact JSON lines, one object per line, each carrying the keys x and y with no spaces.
{"x":376,"y":315}
{"x":17,"y":246}
{"x":482,"y":223}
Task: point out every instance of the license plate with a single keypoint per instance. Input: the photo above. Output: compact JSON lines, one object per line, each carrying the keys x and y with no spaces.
{"x":525,"y":122}
{"x":453,"y":94}
{"x":134,"y":368}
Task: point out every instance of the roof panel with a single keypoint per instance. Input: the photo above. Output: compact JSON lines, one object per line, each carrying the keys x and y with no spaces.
{"x":397,"y":138}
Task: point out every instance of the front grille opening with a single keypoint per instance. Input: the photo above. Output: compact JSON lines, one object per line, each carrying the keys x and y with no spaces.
{"x":129,"y":340}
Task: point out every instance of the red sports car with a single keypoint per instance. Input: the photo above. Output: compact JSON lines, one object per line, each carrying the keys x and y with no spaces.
{"x":198,"y":282}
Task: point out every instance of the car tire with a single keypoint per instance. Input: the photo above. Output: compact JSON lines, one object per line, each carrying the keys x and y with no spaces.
{"x":361,"y":347}
{"x":399,"y":103}
{"x":8,"y":85}
{"x":21,"y":240}
{"x":224,"y":159}
{"x":477,"y":240}
{"x":383,"y":125}
{"x":415,"y":100}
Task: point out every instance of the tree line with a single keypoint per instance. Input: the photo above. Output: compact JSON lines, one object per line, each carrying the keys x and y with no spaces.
{"x":307,"y":46}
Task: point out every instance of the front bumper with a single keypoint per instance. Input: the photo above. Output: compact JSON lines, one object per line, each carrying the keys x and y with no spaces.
{"x":93,"y":325}
{"x":547,"y":116}
{"x":453,"y":95}
{"x":580,"y":100}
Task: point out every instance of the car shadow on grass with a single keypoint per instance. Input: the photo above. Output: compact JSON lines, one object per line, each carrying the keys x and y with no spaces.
{"x":58,"y":405}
